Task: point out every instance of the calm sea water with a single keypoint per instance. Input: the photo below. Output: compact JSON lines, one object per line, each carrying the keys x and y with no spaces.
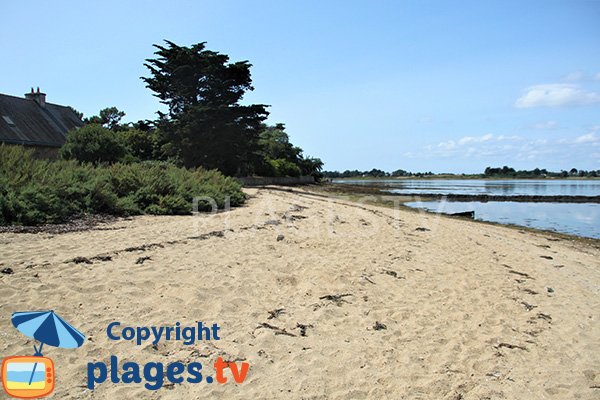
{"x":582,"y":219}
{"x":574,"y":218}
{"x":491,"y":187}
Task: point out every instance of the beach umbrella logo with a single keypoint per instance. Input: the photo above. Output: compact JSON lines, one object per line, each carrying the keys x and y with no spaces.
{"x":30,"y":377}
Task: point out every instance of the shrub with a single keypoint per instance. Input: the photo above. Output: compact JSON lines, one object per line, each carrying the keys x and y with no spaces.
{"x":94,"y":144}
{"x":40,"y":191}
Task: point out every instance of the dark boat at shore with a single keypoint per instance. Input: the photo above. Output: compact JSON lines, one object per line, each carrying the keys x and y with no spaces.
{"x":464,"y":214}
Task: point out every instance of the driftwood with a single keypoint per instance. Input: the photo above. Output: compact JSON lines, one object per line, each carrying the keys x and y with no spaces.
{"x":510,"y":346}
{"x":275,"y":313}
{"x":277,"y":330}
{"x":141,"y":260}
{"x":338,"y":299}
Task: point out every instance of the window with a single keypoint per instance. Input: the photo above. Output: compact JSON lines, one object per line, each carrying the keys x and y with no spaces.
{"x":8,"y":120}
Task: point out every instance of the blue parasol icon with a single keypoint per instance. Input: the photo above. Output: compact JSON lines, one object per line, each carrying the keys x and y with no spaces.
{"x":48,"y":328}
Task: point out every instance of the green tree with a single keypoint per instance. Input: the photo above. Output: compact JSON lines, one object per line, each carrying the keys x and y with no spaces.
{"x":281,"y":158}
{"x":141,"y":145}
{"x":205,"y":125}
{"x":109,"y":118}
{"x":275,"y":143}
{"x":312,"y":166}
{"x":281,"y":167}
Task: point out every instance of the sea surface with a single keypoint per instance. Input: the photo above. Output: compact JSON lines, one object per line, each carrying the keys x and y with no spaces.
{"x":581,"y":219}
{"x":529,"y":187}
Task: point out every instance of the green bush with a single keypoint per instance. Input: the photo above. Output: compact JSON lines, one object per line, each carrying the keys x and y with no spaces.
{"x":94,"y":144}
{"x":39,"y":191}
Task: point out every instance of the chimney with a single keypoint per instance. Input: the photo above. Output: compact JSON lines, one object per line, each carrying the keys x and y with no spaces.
{"x":38,"y":97}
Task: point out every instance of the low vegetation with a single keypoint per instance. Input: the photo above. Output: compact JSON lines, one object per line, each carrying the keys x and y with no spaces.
{"x":34,"y":191}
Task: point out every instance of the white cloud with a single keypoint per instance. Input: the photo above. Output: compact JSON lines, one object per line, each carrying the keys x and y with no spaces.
{"x":507,"y":149}
{"x":588,"y":138}
{"x":537,"y":150}
{"x":449,"y":145}
{"x":556,"y":95}
{"x":475,"y":139}
{"x":592,"y":138}
{"x":509,"y":138}
{"x":545,"y":125}
{"x":472,"y":141}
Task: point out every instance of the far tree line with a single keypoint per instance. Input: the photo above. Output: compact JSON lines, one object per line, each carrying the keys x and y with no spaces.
{"x":490,"y":172}
{"x":509,"y":172}
{"x":374,"y":173}
{"x":205,"y":125}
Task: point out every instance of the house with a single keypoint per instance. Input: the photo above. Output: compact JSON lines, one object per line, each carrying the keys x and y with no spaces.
{"x":31,"y":121}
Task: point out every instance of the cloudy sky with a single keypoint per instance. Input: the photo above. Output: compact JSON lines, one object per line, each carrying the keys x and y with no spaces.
{"x":418,"y":85}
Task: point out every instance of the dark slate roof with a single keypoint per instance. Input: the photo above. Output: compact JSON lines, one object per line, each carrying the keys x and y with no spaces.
{"x":35,"y":125}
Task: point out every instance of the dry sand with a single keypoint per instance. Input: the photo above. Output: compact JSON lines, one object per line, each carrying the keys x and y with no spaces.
{"x":466,"y":306}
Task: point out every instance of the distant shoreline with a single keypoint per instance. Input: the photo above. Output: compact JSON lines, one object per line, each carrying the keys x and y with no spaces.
{"x":462,"y":177}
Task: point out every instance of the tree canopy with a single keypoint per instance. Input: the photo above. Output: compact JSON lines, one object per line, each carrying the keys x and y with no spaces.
{"x":281,"y":158}
{"x":107,"y":117}
{"x":206,"y":125}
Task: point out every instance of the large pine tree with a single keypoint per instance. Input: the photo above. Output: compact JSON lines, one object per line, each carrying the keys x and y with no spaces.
{"x":206,"y":125}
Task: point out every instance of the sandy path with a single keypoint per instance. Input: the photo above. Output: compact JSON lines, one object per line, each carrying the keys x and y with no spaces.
{"x":466,"y":306}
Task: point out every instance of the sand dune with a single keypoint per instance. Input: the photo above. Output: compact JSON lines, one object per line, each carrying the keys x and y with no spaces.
{"x":373,"y":302}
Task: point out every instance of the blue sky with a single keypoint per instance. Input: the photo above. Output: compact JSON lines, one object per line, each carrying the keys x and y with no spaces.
{"x":418,"y":85}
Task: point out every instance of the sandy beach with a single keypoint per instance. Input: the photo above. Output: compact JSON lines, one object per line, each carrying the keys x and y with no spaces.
{"x":324,"y":298}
